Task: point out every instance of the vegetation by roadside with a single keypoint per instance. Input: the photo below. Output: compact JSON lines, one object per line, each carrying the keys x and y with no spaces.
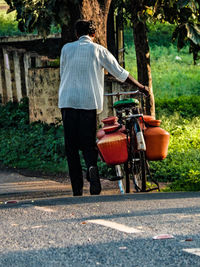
{"x":177,"y":92}
{"x":40,"y":146}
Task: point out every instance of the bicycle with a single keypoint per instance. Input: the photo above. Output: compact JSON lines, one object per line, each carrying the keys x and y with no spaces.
{"x":136,"y":167}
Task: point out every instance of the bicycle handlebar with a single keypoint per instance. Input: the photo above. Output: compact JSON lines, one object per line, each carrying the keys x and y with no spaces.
{"x":124,"y":93}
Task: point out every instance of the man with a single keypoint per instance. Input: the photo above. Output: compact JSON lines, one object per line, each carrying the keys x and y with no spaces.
{"x":81,"y":93}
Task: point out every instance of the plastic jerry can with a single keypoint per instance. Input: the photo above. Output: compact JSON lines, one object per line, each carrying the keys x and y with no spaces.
{"x":157,"y":141}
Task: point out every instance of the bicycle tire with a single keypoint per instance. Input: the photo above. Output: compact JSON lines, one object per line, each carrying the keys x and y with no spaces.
{"x":139,"y":171}
{"x":124,"y":183}
{"x":126,"y":179}
{"x":138,"y":163}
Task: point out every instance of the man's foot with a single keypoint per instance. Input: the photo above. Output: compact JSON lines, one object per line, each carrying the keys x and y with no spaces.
{"x":95,"y":185}
{"x":78,"y":193}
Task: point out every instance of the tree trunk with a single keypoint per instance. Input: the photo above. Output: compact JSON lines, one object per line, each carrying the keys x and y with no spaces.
{"x":143,"y":63}
{"x":73,"y":14}
{"x":142,"y":53}
{"x":96,"y":10}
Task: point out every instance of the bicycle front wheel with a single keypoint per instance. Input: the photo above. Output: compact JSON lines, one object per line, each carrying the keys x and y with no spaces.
{"x":124,"y":183}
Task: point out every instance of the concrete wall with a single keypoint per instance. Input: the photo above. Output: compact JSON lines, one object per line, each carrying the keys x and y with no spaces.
{"x":13,"y":68}
{"x":14,"y":65}
{"x":43,"y":95}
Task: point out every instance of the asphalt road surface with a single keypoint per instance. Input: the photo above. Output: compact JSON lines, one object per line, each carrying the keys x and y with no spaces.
{"x":102,"y":231}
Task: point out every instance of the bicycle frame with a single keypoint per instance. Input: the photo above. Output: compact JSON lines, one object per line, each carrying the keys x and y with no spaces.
{"x":136,"y":146}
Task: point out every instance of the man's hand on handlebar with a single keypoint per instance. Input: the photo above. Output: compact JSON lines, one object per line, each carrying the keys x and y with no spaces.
{"x":145,"y":91}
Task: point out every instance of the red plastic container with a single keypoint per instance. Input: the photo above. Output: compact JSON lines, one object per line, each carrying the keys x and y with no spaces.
{"x":157,"y":141}
{"x":110,"y":120}
{"x":113,"y":146}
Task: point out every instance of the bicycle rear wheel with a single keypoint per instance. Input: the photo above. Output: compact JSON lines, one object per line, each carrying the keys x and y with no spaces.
{"x":139,"y":171}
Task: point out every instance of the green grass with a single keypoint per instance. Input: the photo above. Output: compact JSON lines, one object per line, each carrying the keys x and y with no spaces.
{"x":171,"y":77}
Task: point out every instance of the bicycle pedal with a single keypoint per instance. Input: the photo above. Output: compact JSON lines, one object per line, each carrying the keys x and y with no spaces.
{"x":115,"y":178}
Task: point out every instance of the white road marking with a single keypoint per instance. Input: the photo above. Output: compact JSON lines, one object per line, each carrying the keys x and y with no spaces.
{"x":34,"y":227}
{"x":116,"y":226}
{"x":38,"y":226}
{"x":195,"y":251}
{"x":44,"y":209}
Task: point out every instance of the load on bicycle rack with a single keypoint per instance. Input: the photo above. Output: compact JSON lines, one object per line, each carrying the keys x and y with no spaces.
{"x":128,"y":141}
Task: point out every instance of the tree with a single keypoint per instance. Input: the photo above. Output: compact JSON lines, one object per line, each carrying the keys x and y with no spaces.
{"x":185,"y":14}
{"x":134,"y":12}
{"x":41,"y":14}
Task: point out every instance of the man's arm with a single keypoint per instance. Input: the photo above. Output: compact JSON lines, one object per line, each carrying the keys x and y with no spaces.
{"x":144,"y":89}
{"x":109,"y":62}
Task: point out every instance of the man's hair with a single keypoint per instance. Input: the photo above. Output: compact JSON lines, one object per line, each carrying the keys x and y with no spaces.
{"x":85,"y":27}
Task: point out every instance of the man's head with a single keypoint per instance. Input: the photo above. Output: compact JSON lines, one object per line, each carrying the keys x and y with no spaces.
{"x":85,"y":27}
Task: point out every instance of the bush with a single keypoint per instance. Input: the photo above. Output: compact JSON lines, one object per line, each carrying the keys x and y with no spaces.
{"x":185,"y":106}
{"x":31,"y":146}
{"x":14,"y":115}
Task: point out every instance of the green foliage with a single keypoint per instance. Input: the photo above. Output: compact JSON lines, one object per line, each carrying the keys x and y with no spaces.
{"x":8,"y":25}
{"x":177,"y":90}
{"x":183,"y":160}
{"x":31,"y":146}
{"x":14,"y":115}
{"x":184,"y":15}
{"x":186,"y":106}
{"x":172,"y":70}
{"x":39,"y":16}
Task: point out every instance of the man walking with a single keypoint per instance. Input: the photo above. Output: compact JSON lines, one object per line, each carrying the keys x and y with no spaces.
{"x":81,"y":91}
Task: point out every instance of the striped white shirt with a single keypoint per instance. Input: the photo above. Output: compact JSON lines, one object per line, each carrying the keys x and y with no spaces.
{"x":82,"y":66}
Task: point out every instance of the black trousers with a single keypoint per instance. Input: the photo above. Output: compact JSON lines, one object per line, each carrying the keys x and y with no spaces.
{"x":80,"y":134}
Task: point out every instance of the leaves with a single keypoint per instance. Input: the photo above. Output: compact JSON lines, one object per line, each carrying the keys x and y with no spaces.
{"x":182,"y":3}
{"x":193,"y":33}
{"x":36,"y":14}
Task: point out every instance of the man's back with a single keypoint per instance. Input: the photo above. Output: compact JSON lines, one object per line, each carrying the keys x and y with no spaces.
{"x":81,"y":75}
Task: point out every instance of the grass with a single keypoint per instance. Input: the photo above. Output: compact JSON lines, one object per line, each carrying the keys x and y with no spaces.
{"x":172,"y":70}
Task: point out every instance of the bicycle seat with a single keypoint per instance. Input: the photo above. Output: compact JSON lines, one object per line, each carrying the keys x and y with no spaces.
{"x":127,"y":102}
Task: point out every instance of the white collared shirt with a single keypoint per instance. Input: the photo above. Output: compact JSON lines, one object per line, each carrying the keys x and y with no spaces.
{"x":82,"y":66}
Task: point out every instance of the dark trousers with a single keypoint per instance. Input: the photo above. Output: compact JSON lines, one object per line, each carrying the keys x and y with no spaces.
{"x":80,"y":134}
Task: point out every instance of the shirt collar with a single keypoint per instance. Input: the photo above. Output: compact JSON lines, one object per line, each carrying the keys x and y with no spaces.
{"x":85,"y":37}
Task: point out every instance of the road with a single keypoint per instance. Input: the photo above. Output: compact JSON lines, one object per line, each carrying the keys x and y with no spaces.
{"x":113,"y":230}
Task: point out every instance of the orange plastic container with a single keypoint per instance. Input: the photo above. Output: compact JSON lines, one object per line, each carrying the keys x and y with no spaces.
{"x":113,"y":146}
{"x":146,"y":118}
{"x":157,"y":141}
